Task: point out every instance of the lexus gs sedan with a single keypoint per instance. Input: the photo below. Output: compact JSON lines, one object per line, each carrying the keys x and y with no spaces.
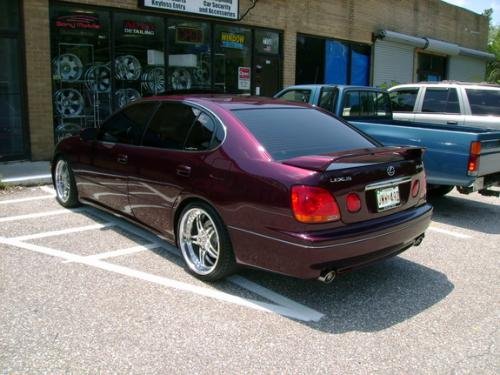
{"x":235,"y":181}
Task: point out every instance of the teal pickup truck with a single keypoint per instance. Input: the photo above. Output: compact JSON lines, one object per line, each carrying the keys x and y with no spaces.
{"x":456,"y":155}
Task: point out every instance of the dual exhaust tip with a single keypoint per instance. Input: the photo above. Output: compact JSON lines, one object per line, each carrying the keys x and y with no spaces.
{"x":327,"y":276}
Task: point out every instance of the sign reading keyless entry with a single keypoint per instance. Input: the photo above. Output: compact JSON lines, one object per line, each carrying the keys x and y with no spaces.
{"x":214,"y":8}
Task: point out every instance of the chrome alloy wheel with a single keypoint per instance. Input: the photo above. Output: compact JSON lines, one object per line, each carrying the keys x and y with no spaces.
{"x":62,"y":180}
{"x":199,"y":241}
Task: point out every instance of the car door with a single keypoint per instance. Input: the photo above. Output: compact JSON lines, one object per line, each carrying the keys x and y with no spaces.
{"x":113,"y":150}
{"x":440,"y":105}
{"x":161,"y":166}
{"x":403,"y":102}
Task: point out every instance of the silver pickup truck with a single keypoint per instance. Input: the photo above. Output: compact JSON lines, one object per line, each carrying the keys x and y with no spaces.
{"x":448,"y":103}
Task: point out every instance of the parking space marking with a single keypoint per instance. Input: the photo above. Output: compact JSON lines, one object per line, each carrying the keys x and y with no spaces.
{"x":63,"y":231}
{"x":121,"y":252}
{"x":41,"y":214}
{"x":48,"y":189}
{"x":29,"y":199}
{"x":304,"y":314}
{"x":449,"y":233}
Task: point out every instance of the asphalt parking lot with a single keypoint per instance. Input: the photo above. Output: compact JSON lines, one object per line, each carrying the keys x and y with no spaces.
{"x":82,"y":291}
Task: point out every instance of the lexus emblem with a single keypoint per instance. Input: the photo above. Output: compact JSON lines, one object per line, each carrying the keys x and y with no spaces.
{"x":391,"y":170}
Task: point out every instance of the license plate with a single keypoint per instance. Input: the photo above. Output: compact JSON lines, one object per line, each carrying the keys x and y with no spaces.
{"x":388,"y":198}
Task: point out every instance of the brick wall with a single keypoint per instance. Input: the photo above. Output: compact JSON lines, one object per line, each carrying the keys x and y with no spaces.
{"x":353,"y":20}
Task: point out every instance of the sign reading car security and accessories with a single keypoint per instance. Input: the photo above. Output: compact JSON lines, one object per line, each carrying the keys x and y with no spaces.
{"x":213,"y":8}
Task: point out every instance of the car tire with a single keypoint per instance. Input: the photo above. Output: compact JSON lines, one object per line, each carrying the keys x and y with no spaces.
{"x":204,"y":242}
{"x":64,"y":184}
{"x":438,"y":191}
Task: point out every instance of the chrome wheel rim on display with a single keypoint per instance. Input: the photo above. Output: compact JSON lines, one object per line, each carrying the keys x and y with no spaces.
{"x":127,"y":68}
{"x":98,"y":78}
{"x":68,"y":67}
{"x":125,"y":96}
{"x":181,"y":79}
{"x":199,"y":241}
{"x":69,"y":102}
{"x":62,"y":180}
{"x":202,"y":73}
{"x":153,"y":80}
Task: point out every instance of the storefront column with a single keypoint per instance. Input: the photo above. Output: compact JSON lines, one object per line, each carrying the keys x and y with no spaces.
{"x":38,"y":78}
{"x":289,"y":52}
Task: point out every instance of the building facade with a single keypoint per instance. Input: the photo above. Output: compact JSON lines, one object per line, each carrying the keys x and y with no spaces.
{"x":69,"y":64}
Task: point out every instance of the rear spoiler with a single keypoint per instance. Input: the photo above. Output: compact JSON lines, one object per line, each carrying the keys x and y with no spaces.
{"x":357,"y":157}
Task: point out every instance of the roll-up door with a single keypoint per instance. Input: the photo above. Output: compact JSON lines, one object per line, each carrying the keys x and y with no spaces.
{"x":392,"y":62}
{"x":464,"y":68}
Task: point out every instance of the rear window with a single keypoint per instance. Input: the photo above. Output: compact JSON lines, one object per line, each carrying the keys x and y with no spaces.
{"x":290,"y":132}
{"x":484,"y":102}
{"x":366,"y":104}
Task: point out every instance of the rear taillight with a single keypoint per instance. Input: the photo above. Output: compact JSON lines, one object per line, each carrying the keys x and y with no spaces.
{"x":415,"y":188}
{"x":312,"y":204}
{"x":353,"y":202}
{"x":473,"y":164}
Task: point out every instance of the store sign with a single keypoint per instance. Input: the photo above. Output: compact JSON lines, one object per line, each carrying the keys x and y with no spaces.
{"x":139,"y":28}
{"x":232,"y":40}
{"x":243,"y":78}
{"x":188,"y":35}
{"x":78,"y":21}
{"x":214,"y":8}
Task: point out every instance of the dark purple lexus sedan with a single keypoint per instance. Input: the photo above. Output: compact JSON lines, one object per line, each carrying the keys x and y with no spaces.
{"x":233,"y":181}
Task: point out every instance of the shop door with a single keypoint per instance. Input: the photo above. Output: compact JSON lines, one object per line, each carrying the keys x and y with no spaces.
{"x":267,"y":75}
{"x":13,"y":143}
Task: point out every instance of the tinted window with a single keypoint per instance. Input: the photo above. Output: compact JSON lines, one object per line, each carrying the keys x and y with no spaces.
{"x":328,"y":98}
{"x":441,"y":100}
{"x":484,"y":102}
{"x":127,"y":125}
{"x":403,"y":100}
{"x":366,"y":104}
{"x":169,"y":126}
{"x":201,"y":135}
{"x":291,"y":132}
{"x":297,"y":95}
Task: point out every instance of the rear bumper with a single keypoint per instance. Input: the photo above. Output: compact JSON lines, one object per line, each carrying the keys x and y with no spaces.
{"x":339,"y":249}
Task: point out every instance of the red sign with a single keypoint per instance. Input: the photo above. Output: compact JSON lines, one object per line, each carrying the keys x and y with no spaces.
{"x":188,"y":35}
{"x":78,"y":21}
{"x":140,"y":28}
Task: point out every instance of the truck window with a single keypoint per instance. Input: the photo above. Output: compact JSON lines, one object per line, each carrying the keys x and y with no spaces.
{"x":366,"y":104}
{"x":297,"y":95}
{"x":484,"y":102}
{"x":441,"y":100}
{"x":327,"y":98}
{"x":403,"y":100}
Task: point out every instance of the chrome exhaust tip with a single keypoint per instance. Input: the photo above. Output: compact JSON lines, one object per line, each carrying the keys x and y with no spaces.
{"x":327,"y":276}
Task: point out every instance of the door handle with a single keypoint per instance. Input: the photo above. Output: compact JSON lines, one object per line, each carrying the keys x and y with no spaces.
{"x":452,"y":122}
{"x":183,"y":170}
{"x":122,"y":159}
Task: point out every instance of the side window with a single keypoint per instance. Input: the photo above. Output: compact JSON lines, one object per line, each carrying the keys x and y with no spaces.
{"x":441,"y":101}
{"x":170,"y":126}
{"x":327,"y":98}
{"x":484,"y":102}
{"x":352,"y":104}
{"x":201,"y":136}
{"x":403,"y":100}
{"x":127,"y":125}
{"x":297,"y":95}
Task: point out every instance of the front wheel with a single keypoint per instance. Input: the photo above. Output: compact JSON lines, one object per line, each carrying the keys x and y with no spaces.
{"x":64,"y":184}
{"x":204,"y":242}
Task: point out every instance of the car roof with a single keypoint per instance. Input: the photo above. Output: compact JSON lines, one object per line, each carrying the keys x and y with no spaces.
{"x":340,"y":87}
{"x":481,"y":85}
{"x":230,"y":102}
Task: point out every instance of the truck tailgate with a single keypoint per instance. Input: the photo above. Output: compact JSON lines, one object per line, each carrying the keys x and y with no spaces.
{"x":489,"y":160}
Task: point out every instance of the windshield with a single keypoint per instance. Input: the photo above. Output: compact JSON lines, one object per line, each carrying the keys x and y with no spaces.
{"x":291,"y":132}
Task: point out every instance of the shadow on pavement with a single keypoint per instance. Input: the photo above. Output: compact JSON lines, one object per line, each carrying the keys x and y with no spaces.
{"x":368,"y":300}
{"x":467,"y":213}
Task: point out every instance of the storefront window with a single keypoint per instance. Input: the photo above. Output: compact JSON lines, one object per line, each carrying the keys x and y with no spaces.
{"x":9,"y":11}
{"x":233,"y":58}
{"x":81,"y":69}
{"x":189,"y":57}
{"x":138,"y":57}
{"x":431,"y":67}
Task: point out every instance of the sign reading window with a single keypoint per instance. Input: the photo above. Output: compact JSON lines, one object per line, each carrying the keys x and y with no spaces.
{"x":214,"y":8}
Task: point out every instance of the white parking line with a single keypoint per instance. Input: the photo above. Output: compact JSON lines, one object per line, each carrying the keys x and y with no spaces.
{"x":26,"y":178}
{"x":118,"y":253}
{"x":433,"y":228}
{"x":40,"y":214}
{"x":62,"y":231}
{"x":9,"y":201}
{"x":48,"y":189}
{"x":302,"y":314}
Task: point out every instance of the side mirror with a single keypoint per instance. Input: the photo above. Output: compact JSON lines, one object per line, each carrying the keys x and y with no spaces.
{"x":89,"y":134}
